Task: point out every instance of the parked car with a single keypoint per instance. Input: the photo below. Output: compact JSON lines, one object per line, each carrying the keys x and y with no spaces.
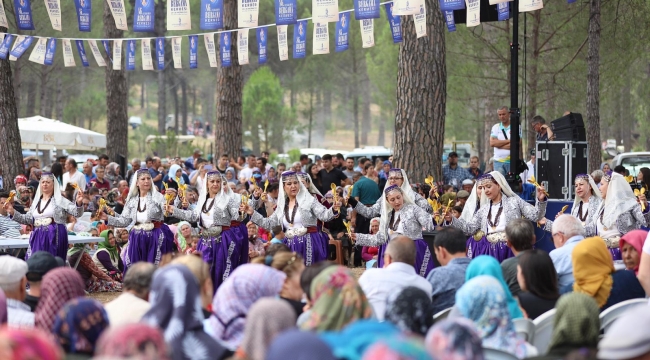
{"x":370,"y":152}
{"x":632,"y":161}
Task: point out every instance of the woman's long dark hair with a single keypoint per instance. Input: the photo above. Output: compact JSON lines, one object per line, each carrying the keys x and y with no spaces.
{"x":314,"y":179}
{"x":646,"y":177}
{"x":539,"y":273}
{"x":57,"y":171}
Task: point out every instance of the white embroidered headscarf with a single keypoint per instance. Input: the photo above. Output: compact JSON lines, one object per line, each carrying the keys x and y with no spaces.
{"x":221,"y":199}
{"x":56,"y":194}
{"x":133,"y":190}
{"x":619,"y":199}
{"x":470,"y":205}
{"x":386,"y":208}
{"x":500,"y":180}
{"x":407,"y":190}
{"x":592,"y":184}
{"x":304,"y":198}
{"x":310,"y":185}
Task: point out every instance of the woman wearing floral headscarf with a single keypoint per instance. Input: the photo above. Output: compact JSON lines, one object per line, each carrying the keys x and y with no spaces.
{"x":27,"y":344}
{"x":337,"y":301}
{"x":79,"y":324}
{"x":410,"y":310}
{"x":488,"y":265}
{"x":454,"y":339}
{"x":482,"y":300}
{"x":107,"y":257}
{"x":113,"y":174}
{"x":137,"y":341}
{"x":58,"y":287}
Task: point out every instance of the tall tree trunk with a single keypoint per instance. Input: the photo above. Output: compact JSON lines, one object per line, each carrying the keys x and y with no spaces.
{"x":10,"y":146}
{"x":31,"y":98}
{"x":381,"y":137}
{"x":117,"y":124}
{"x":59,"y":98}
{"x":184,"y":103}
{"x":43,"y":96}
{"x":143,"y":93}
{"x":311,"y":116}
{"x":228,"y":138}
{"x":177,"y":107}
{"x":593,"y":85}
{"x":625,"y":116}
{"x":327,"y":107}
{"x":355,"y":95}
{"x":421,"y":97}
{"x":161,"y":13}
{"x":18,"y":66}
{"x":366,"y":118}
{"x":193,"y":90}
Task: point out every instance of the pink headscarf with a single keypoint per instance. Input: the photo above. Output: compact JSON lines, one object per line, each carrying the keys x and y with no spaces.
{"x":636,"y":238}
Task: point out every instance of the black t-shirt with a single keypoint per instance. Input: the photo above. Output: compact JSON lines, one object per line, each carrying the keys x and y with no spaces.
{"x":328,"y":178}
{"x":31,"y":301}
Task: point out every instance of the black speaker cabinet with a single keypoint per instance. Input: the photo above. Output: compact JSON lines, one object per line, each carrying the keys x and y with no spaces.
{"x":556,"y":165}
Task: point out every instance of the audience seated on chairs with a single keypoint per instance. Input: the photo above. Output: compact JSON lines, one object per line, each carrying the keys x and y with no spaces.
{"x":631,"y":249}
{"x":37,"y":266}
{"x":567,"y":232}
{"x":13,"y":282}
{"x":488,"y":265}
{"x":454,"y":339}
{"x":593,"y":270}
{"x":410,"y":310}
{"x":306,"y":278}
{"x":132,"y":304}
{"x":538,"y":282}
{"x":398,"y":272}
{"x":644,"y":266}
{"x":520,"y":236}
{"x":628,"y":338}
{"x":292,"y":265}
{"x":449,"y":247}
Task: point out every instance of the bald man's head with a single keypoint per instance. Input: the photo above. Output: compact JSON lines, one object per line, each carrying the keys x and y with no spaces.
{"x":401,"y":249}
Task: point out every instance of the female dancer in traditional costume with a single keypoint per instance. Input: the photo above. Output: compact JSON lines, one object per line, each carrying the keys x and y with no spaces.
{"x":219,"y":244}
{"x":150,"y":239}
{"x":489,"y":224}
{"x":473,"y":203}
{"x":618,"y":214}
{"x":400,"y":216}
{"x":586,"y":203}
{"x":48,"y":215}
{"x":298,"y":212}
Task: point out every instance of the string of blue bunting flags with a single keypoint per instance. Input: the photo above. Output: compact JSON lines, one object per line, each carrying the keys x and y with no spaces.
{"x":178,"y":18}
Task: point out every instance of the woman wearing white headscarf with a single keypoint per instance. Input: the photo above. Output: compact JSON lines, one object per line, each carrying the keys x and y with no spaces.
{"x":618,"y":213}
{"x":586,"y":203}
{"x":499,"y":205}
{"x":48,"y":215}
{"x":400,"y":216}
{"x":298,"y":213}
{"x":473,"y":203}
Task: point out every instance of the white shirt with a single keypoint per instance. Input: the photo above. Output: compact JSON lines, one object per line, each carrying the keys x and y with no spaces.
{"x":501,"y":226}
{"x":501,"y":155}
{"x":528,"y":174}
{"x":141,"y":217}
{"x":297,"y":220}
{"x":378,"y":284}
{"x":208,"y":218}
{"x":78,"y":178}
{"x":646,"y":245}
{"x":246,"y":173}
{"x":19,"y":315}
{"x":48,"y":211}
{"x":126,"y":309}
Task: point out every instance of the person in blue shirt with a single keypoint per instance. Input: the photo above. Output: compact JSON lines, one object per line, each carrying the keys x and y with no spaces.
{"x":528,"y":191}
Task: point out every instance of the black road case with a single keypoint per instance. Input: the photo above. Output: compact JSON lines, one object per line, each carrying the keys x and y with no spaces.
{"x":556,"y":165}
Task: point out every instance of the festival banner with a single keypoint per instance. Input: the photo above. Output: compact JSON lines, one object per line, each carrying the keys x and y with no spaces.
{"x":143,"y":20}
{"x":211,"y":15}
{"x":117,"y":54}
{"x":325,"y":11}
{"x":367,"y":32}
{"x":208,"y":41}
{"x":451,"y":22}
{"x":160,"y":53}
{"x":286,"y":12}
{"x":38,"y":53}
{"x":530,"y":5}
{"x":473,"y":12}
{"x":420,"y":21}
{"x":68,"y":57}
{"x":300,"y":39}
{"x":406,"y":7}
{"x":176,"y":52}
{"x":194,"y":51}
{"x":23,"y":12}
{"x":395,"y":23}
{"x":283,"y":48}
{"x":130,"y":55}
{"x":342,"y":32}
{"x":50,"y":52}
{"x":449,"y":5}
{"x":96,"y":54}
{"x":20,"y":46}
{"x":145,"y":52}
{"x":366,"y":9}
{"x":247,"y":13}
{"x":4,"y":46}
{"x":54,"y":12}
{"x":224,"y":45}
{"x":494,"y":2}
{"x":107,"y":48}
{"x":178,"y":15}
{"x":242,"y":46}
{"x":3,"y":17}
{"x":82,"y":52}
{"x":84,"y":14}
{"x":503,"y":10}
{"x":261,"y":45}
{"x":321,"y":39}
{"x":119,"y":14}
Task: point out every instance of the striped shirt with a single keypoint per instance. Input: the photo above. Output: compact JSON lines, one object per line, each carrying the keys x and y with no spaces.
{"x":9,"y":228}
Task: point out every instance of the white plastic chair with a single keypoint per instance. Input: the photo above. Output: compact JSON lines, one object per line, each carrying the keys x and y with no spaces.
{"x":525,"y":328}
{"x":494,"y":354}
{"x":543,"y":331}
{"x":442,"y":314}
{"x":608,"y":316}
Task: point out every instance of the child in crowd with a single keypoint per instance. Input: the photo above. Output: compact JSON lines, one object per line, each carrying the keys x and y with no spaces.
{"x":278,"y":235}
{"x":191,"y":245}
{"x":456,"y":211}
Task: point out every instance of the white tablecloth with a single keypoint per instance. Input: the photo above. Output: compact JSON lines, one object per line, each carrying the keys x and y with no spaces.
{"x":20,"y":243}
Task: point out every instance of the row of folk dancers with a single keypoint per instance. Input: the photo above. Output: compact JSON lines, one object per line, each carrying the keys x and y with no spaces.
{"x":608,"y":211}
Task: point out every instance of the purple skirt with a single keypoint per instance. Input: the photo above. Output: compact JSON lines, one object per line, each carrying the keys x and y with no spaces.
{"x":52,"y":238}
{"x":311,"y":246}
{"x":500,"y":251}
{"x":148,"y":246}
{"x":616,"y":253}
{"x":241,"y":233}
{"x":223,"y":254}
{"x":423,"y":257}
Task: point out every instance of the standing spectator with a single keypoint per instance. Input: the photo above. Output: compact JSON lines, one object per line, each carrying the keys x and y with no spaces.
{"x":385,"y":169}
{"x":449,"y":247}
{"x":262,"y":164}
{"x":520,"y":236}
{"x":135,"y":166}
{"x":349,"y":168}
{"x":99,"y":182}
{"x":72,"y":176}
{"x":474,"y":167}
{"x":362,"y":161}
{"x":189,"y":162}
{"x":156,"y":175}
{"x":88,"y":173}
{"x":247,"y":172}
{"x":500,"y":141}
{"x":453,"y":174}
{"x":8,"y":227}
{"x":530,"y":172}
{"x":366,"y":192}
{"x":132,"y":304}
{"x":62,"y":159}
{"x":113,"y":174}
{"x":282,"y":167}
{"x":544,"y":132}
{"x":222,"y":164}
{"x":567,"y":232}
{"x":102,"y":160}
{"x":39,"y":264}
{"x":255,"y":244}
{"x":330,"y":175}
{"x":304,"y":162}
{"x":13,"y":282}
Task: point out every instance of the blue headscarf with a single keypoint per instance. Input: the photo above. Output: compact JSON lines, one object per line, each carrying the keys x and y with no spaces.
{"x":298,"y":345}
{"x":353,"y":341}
{"x":172,"y":174}
{"x":79,"y":324}
{"x":487,"y":265}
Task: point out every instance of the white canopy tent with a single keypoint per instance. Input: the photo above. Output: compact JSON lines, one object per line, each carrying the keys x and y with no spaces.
{"x":37,"y":132}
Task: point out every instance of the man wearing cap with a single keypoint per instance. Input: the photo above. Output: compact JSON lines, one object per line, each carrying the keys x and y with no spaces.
{"x":453,"y":174}
{"x":8,"y":227}
{"x":13,"y":282}
{"x":468,"y":185}
{"x":37,"y":266}
{"x":461,"y":198}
